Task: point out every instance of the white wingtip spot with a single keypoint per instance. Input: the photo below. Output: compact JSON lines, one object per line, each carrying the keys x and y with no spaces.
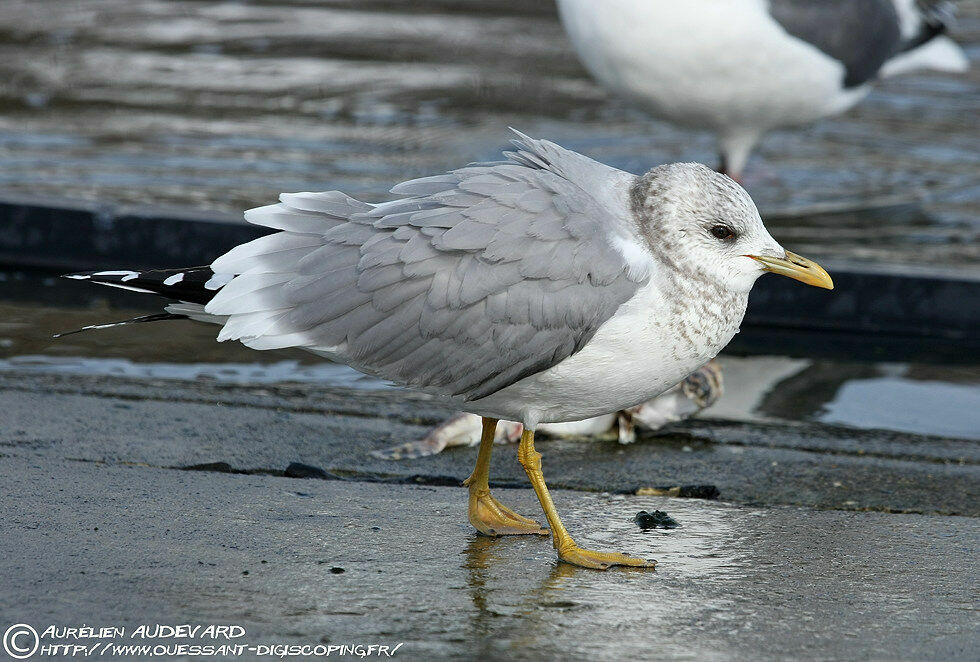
{"x":173,"y":280}
{"x":78,"y":276}
{"x":217,"y":281}
{"x":127,"y":287}
{"x":126,"y":275}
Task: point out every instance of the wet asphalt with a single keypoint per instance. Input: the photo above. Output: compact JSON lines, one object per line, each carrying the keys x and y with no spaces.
{"x":813,"y":550}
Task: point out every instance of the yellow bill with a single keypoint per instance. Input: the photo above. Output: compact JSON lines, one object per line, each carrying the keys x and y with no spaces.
{"x":798,"y":268}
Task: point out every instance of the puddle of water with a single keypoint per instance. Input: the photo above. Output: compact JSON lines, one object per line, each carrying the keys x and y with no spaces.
{"x":724,"y":580}
{"x":331,"y":374}
{"x":936,"y":400}
{"x":650,"y":609}
{"x":223,"y":105}
{"x":893,"y":403}
{"x":700,"y":545}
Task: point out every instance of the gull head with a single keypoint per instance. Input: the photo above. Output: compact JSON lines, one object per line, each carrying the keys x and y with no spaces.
{"x":703,"y":224}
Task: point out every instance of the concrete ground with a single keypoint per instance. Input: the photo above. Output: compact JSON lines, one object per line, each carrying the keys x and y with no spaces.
{"x":826,"y":543}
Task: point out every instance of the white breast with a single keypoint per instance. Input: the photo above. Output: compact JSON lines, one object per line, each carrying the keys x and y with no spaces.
{"x":718,"y":64}
{"x":650,"y":344}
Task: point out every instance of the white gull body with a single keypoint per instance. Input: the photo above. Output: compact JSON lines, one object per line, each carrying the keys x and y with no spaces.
{"x":597,"y":380}
{"x":743,"y":67}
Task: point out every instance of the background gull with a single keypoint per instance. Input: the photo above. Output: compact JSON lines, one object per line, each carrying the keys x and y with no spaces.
{"x":741,"y":68}
{"x":698,"y":391}
{"x":511,"y":289}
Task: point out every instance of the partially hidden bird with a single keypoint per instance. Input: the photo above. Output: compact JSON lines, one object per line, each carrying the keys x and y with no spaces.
{"x":510,"y":289}
{"x":696,"y":392}
{"x":741,"y":68}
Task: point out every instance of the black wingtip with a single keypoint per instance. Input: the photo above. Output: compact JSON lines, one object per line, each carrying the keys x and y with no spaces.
{"x":189,"y":284}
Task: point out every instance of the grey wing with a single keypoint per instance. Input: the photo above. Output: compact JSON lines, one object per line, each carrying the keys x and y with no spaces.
{"x":861,"y":34}
{"x":475,"y":280}
{"x":934,"y":16}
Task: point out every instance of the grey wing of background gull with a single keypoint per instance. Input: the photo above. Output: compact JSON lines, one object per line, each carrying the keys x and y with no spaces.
{"x":935,"y":16}
{"x":473,"y":281}
{"x":861,"y":34}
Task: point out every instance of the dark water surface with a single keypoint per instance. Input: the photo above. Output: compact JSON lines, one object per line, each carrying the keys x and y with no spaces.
{"x":222,"y":105}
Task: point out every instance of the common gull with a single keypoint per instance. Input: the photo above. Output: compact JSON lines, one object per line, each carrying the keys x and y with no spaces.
{"x":512,"y":289}
{"x":741,"y":68}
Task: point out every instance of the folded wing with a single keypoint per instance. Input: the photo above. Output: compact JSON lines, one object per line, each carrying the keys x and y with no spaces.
{"x":470,"y":282}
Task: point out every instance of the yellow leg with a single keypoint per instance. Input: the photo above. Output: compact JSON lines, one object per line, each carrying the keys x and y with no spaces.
{"x":488,"y":515}
{"x":568,"y":551}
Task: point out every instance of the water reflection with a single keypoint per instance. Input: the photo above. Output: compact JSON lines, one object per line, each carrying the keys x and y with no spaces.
{"x":726,"y":581}
{"x":936,"y":400}
{"x":898,"y":403}
{"x":521,"y":601}
{"x":275,"y":372}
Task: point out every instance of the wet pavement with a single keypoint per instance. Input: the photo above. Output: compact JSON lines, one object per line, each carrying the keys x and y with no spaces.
{"x":222,"y":105}
{"x":305,"y":562}
{"x":832,"y":538}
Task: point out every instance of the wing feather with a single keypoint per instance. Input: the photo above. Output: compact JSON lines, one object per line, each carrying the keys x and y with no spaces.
{"x":472,"y":281}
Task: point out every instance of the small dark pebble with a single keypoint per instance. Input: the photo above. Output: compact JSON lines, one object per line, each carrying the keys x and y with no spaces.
{"x":699,"y":492}
{"x":375,"y":528}
{"x":435,"y":481}
{"x":221,"y":467}
{"x":658,"y":519}
{"x":335,"y":570}
{"x":558,"y":604}
{"x":244,"y":572}
{"x":300,"y":470}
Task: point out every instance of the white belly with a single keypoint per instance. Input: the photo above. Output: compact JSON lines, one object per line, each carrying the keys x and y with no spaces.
{"x":636,"y":355}
{"x":718,"y":64}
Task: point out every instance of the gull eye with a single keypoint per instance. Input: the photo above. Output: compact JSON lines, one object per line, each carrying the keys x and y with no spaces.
{"x":723,"y":232}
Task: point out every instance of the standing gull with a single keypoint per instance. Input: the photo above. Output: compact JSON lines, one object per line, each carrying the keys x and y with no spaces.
{"x":511,"y":289}
{"x":741,"y":68}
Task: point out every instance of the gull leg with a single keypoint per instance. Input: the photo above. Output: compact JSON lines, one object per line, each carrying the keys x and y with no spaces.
{"x":488,"y":515}
{"x":568,"y":551}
